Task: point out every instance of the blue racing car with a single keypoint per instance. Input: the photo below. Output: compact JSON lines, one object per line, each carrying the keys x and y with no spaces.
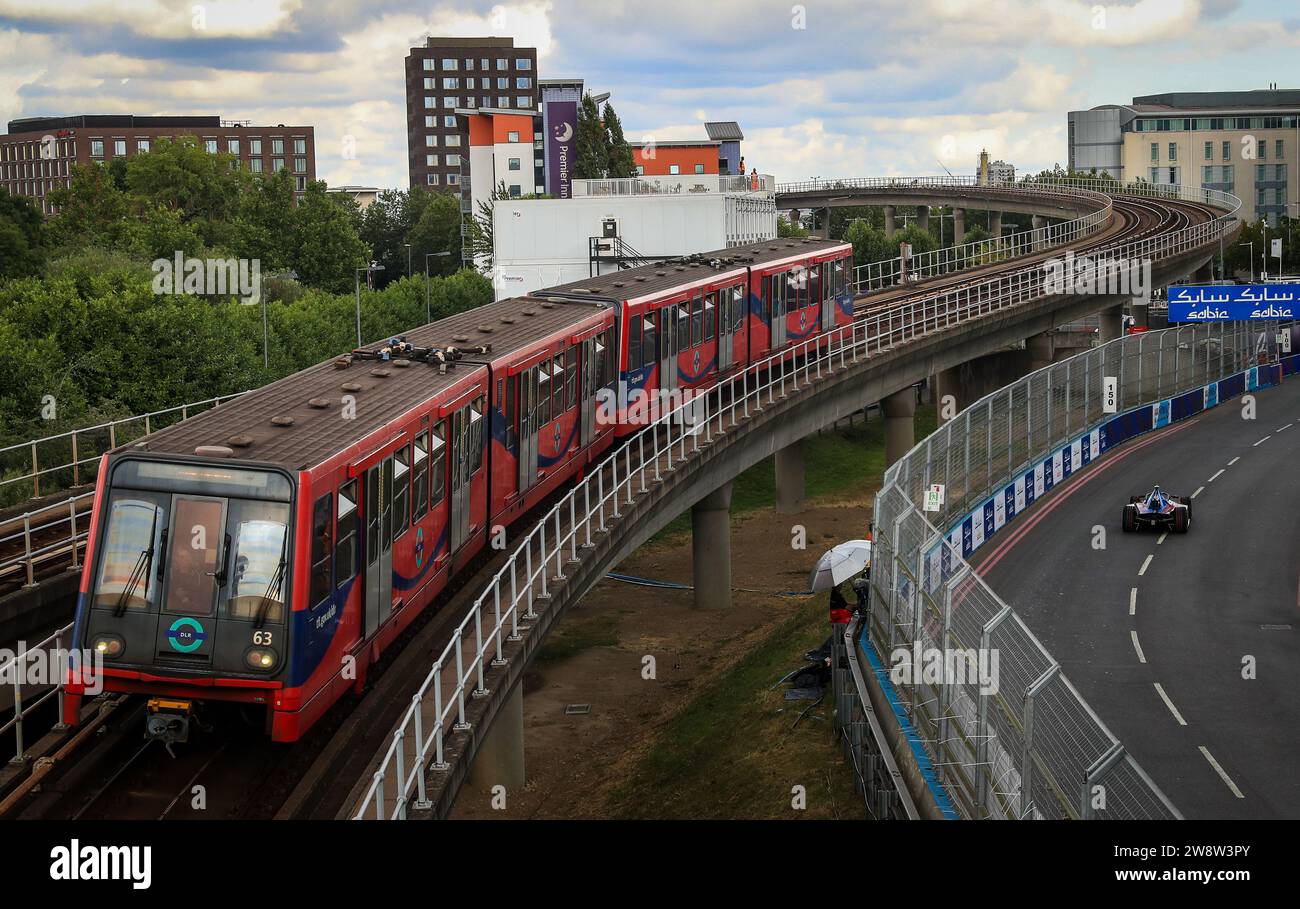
{"x":1159,"y":510}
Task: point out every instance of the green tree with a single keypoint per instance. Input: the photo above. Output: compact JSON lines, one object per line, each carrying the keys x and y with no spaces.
{"x":785,"y":229}
{"x":328,"y":250}
{"x":592,"y":162}
{"x":91,"y":209}
{"x":619,"y":153}
{"x":437,"y":231}
{"x":870,"y":243}
{"x":22,"y":236}
{"x":183,"y":176}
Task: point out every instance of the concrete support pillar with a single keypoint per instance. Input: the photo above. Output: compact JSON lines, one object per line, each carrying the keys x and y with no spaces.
{"x":995,"y":225}
{"x":1204,"y":274}
{"x":948,"y":385}
{"x":789,"y":478}
{"x":500,"y":759}
{"x":923,"y":217}
{"x":900,"y":424}
{"x":958,"y":226}
{"x":890,"y":227}
{"x":1039,"y":223}
{"x":1040,"y":351}
{"x":1112,"y":322}
{"x":711,"y":549}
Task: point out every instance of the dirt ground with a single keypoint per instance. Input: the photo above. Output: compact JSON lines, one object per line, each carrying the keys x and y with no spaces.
{"x":595,"y":657}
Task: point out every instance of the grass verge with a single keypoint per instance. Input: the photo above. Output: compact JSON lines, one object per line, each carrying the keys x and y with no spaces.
{"x":738,"y":749}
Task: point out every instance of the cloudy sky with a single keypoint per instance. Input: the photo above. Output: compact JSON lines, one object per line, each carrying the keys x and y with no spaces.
{"x":821,"y":88}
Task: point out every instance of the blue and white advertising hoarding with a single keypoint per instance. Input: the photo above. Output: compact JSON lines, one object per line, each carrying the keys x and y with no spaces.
{"x":1232,"y":302}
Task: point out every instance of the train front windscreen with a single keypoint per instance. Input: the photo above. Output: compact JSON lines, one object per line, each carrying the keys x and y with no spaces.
{"x":192,"y":573}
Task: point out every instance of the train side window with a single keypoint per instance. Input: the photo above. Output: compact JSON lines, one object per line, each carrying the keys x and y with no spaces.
{"x":796,"y":288}
{"x":543,"y":392}
{"x":372,"y":515}
{"x":420,"y":483}
{"x":815,"y":284}
{"x":322,"y":548}
{"x":571,"y":378}
{"x":634,"y":348}
{"x":559,"y":405}
{"x":508,"y":396}
{"x":737,"y":307}
{"x":477,"y":437}
{"x":345,"y":550}
{"x":683,"y":325}
{"x":649,"y":339}
{"x":697,"y":320}
{"x":438,"y":464}
{"x":710,"y":313}
{"x":766,"y":312}
{"x":401,"y":490}
{"x":604,"y":359}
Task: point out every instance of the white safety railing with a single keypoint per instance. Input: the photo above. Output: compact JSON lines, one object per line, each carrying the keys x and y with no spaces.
{"x":675,"y":183}
{"x":522,"y":584}
{"x":919,"y":266}
{"x":71,"y":453}
{"x":28,"y":696}
{"x":47,"y":536}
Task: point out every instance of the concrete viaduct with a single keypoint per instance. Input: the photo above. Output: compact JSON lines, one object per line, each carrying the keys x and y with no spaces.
{"x":934,"y":330}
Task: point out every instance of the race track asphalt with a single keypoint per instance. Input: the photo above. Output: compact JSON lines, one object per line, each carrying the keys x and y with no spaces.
{"x":1187,"y":613}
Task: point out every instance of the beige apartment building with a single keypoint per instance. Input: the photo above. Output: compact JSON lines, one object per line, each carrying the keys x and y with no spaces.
{"x":1246,"y":143}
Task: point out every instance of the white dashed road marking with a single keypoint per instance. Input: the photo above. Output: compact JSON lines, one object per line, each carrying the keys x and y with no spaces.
{"x":1161,"y":538}
{"x":1143,"y":569}
{"x":1281,"y":428}
{"x":1260,"y":442}
{"x":1138,"y":647}
{"x":1170,"y":704}
{"x":1234,"y":460}
{"x":1220,"y":473}
{"x":1133,"y":601}
{"x":1199,"y":490}
{"x":1220,"y":771}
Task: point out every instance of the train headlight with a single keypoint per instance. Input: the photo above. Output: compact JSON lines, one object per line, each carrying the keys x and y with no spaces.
{"x":260,"y":659}
{"x":109,"y":646}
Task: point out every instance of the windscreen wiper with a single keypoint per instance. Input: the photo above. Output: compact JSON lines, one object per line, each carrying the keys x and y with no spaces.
{"x":138,"y":574}
{"x":277,"y":581}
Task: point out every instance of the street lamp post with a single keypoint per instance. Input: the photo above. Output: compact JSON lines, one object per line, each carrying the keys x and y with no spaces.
{"x":427,"y":314}
{"x":408,"y":259}
{"x":373,"y":266}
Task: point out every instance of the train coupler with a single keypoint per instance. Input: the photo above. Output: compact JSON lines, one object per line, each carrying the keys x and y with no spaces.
{"x":168,"y":721}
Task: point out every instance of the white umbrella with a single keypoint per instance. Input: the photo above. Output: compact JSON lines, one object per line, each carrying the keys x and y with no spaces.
{"x":839,"y":564}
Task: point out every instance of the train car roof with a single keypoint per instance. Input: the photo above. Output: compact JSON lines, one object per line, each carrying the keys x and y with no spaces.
{"x":305,"y":433}
{"x":507,"y":325}
{"x":631,"y":283}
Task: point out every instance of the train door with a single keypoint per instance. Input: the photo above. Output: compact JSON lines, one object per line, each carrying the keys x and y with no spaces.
{"x":587,"y":405}
{"x":379,"y":544}
{"x":778,"y":310}
{"x":528,"y":427}
{"x":827,"y":287}
{"x":726,"y":328}
{"x":466,"y":451}
{"x":668,"y":345}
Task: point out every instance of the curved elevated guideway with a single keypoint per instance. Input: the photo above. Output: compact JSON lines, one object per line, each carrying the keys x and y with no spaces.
{"x":1184,"y":644}
{"x":909,"y":325}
